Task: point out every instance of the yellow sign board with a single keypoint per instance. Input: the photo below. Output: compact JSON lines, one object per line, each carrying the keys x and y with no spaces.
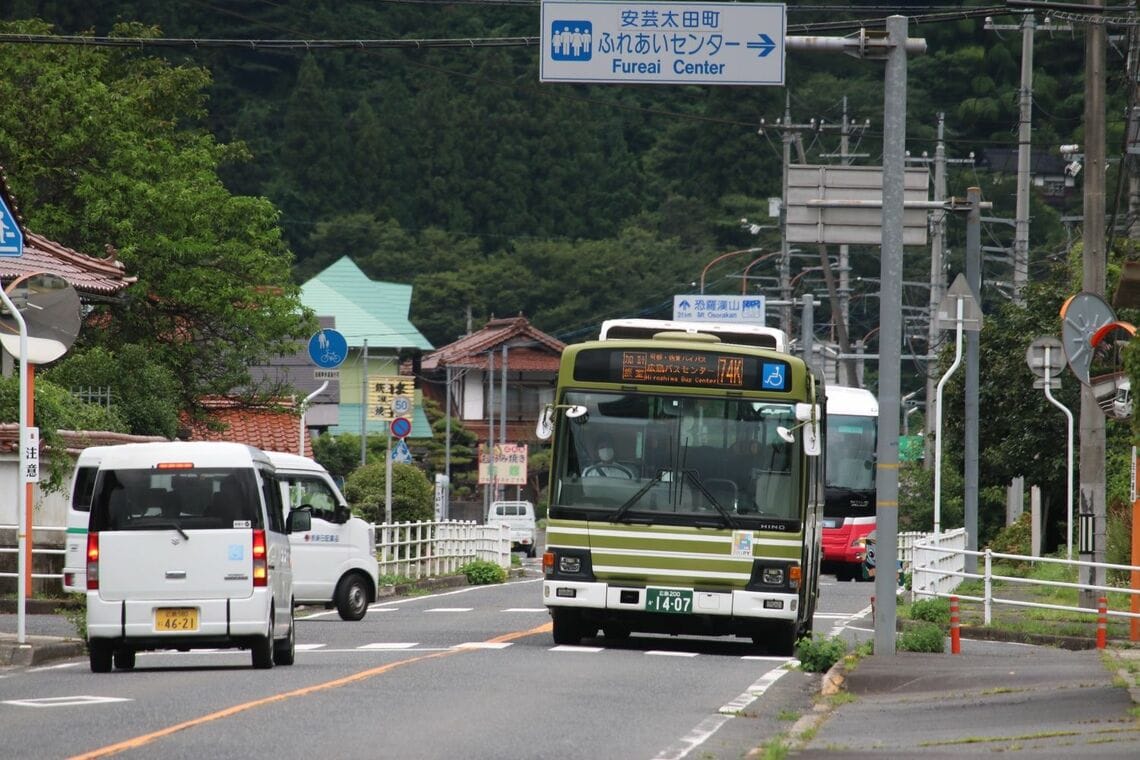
{"x":390,"y":397}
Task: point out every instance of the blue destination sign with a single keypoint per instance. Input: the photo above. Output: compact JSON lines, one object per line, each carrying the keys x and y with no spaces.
{"x":665,"y":43}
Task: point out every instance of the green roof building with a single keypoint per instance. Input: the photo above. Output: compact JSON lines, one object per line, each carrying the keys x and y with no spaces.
{"x":373,"y":317}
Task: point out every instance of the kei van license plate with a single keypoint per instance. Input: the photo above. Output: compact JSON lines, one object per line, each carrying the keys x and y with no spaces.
{"x":668,"y":600}
{"x":176,"y":619}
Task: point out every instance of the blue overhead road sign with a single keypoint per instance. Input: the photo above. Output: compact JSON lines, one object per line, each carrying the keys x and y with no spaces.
{"x":663,"y":43}
{"x":327,"y":349}
{"x":11,"y":236}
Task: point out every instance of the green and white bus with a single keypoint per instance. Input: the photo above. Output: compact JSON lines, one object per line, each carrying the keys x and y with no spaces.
{"x":686,"y":491}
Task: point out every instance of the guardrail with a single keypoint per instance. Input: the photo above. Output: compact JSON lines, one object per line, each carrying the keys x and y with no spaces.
{"x":942,"y":570}
{"x":427,"y":549}
{"x":42,"y":551}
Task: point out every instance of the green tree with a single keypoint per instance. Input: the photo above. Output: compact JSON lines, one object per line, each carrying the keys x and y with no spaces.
{"x":144,"y":393}
{"x":110,"y":148}
{"x":413,"y":497}
{"x":56,"y":409}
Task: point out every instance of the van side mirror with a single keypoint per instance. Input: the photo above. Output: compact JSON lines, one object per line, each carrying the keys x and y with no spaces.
{"x":299,"y":521}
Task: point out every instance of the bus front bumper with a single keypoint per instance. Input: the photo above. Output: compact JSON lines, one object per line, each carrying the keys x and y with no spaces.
{"x":760,"y":605}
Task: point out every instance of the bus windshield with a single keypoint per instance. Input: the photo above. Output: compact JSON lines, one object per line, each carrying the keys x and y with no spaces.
{"x":851,"y":452}
{"x":680,"y":459}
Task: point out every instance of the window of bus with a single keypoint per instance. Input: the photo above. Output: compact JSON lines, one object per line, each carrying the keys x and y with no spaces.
{"x":684,"y":454}
{"x":851,"y":452}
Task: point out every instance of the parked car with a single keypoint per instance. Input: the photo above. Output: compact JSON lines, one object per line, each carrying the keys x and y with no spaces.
{"x":519,"y":515}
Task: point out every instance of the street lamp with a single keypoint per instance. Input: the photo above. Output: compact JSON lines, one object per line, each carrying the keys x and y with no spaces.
{"x":744,"y":280}
{"x":722,"y":257}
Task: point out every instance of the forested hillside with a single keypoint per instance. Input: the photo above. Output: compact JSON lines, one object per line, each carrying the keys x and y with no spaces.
{"x":454,"y":169}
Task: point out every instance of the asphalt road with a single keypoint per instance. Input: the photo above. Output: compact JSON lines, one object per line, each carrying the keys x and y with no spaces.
{"x":469,"y":673}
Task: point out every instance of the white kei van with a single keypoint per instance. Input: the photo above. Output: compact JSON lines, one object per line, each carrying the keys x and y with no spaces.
{"x":78,"y":512}
{"x":519,"y":515}
{"x":187,"y":548}
{"x":334,"y":563}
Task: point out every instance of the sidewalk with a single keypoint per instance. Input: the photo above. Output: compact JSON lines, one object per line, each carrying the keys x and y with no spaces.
{"x":48,"y":635}
{"x":1030,"y":701}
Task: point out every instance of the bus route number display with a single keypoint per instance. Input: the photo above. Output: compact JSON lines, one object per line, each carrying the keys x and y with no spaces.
{"x":680,"y":368}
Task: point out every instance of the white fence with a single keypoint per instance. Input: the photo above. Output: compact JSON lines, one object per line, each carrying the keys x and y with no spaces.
{"x":410,"y":550}
{"x":46,"y":548}
{"x":428,"y":549}
{"x":938,"y":569}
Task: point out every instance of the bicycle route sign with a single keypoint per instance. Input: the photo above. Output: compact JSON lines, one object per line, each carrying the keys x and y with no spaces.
{"x":663,"y":43}
{"x":327,"y":348}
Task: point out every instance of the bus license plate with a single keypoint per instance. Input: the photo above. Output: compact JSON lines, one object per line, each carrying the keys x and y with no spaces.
{"x":176,"y":619}
{"x":668,"y":600}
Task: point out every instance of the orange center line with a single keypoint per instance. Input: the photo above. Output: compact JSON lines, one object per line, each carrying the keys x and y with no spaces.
{"x":143,"y":740}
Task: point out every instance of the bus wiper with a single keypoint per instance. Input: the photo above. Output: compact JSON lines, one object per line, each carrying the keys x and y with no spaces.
{"x":625,"y":507}
{"x":729,"y":520}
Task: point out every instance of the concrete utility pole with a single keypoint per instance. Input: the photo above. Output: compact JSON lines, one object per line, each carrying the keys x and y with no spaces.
{"x":840,"y":297}
{"x":789,"y":133}
{"x":1021,"y":222}
{"x":970,"y":420}
{"x":937,"y":279}
{"x":850,"y":378}
{"x":1092,"y":468}
{"x":890,"y":330}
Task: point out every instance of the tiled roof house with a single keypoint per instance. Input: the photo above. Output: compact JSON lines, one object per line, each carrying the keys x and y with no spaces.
{"x":531,"y":359}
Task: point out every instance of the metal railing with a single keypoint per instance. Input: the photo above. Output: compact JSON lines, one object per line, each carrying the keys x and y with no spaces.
{"x":938,"y":570}
{"x":43,"y":551}
{"x":427,"y":549}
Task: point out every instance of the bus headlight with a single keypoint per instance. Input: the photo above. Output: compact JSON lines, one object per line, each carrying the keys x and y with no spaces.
{"x":772,"y":576}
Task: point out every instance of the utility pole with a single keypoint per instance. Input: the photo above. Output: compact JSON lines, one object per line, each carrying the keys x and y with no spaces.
{"x":1021,"y":219}
{"x":789,"y":133}
{"x":1094,"y":265}
{"x":839,"y":301}
{"x":937,"y":279}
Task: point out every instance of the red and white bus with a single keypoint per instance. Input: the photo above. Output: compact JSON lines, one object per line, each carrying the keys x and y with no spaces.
{"x":849,"y":507}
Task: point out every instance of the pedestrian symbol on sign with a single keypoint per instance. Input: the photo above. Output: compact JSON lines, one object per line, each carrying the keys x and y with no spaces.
{"x":571,"y":40}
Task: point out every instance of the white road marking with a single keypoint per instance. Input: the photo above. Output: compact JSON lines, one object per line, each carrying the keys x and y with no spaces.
{"x":484,"y":645}
{"x":710,"y":725}
{"x":568,"y":648}
{"x":390,"y":645}
{"x":64,"y":701}
{"x":525,"y":609}
{"x":450,"y":609}
{"x":663,"y":653}
{"x":55,"y":667}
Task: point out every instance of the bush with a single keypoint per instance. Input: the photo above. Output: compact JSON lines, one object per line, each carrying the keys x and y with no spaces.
{"x":935,"y":611}
{"x":482,"y":573}
{"x":1015,"y":538}
{"x":817,"y":655}
{"x":413,"y":497}
{"x":926,"y":637}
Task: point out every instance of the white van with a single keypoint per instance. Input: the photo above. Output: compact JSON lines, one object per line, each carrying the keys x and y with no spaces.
{"x":78,"y":512}
{"x":519,"y":515}
{"x":187,"y":548}
{"x":334,"y":563}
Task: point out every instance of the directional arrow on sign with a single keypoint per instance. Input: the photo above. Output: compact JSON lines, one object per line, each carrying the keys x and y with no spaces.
{"x":764,"y":46}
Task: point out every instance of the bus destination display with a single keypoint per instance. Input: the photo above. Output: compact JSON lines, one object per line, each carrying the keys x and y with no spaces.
{"x":697,"y":369}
